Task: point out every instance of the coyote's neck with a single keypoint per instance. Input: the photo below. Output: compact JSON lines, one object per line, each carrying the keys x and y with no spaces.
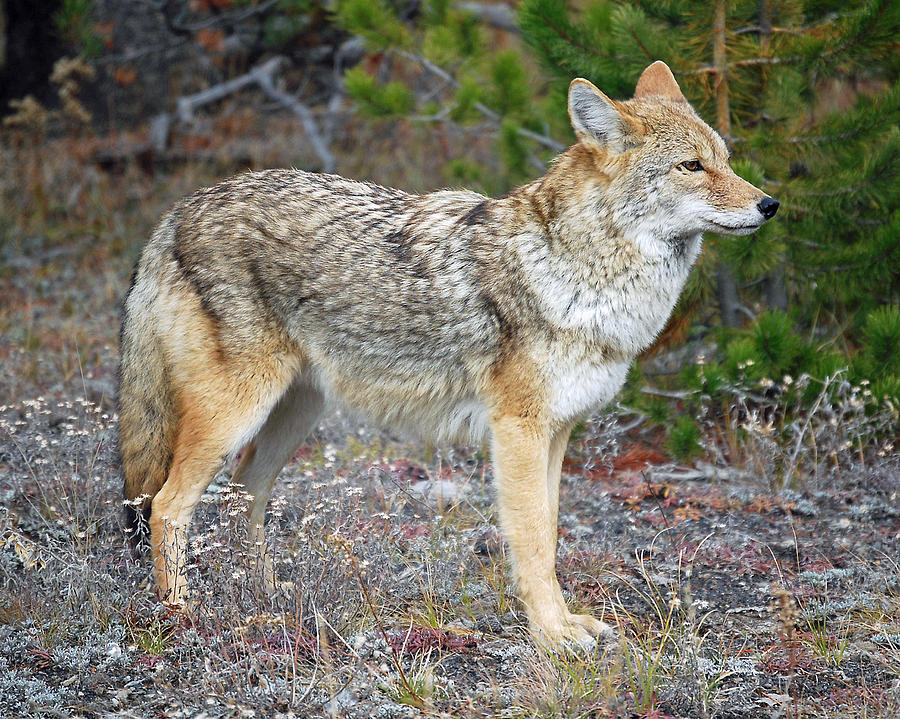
{"x":586,"y":199}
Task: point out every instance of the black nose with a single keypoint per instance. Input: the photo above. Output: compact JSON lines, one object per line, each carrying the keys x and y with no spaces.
{"x":768,"y":206}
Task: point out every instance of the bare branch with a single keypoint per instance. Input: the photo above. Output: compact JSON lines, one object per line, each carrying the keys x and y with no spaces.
{"x":749,"y":62}
{"x":174,"y":20}
{"x":262,"y":77}
{"x":320,"y":147}
{"x":187,"y":104}
{"x":822,"y":138}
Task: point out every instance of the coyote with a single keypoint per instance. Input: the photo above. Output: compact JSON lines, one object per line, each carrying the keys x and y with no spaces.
{"x":261,"y":301}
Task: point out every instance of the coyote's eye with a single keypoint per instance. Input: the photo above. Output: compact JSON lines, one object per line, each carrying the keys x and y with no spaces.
{"x":692,"y":165}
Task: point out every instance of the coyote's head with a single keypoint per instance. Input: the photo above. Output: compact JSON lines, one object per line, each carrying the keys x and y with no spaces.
{"x":665,"y":172}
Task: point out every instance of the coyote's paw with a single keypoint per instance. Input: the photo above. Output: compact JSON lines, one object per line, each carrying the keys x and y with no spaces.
{"x":574,"y":632}
{"x":186,"y":605}
{"x":181,"y":601}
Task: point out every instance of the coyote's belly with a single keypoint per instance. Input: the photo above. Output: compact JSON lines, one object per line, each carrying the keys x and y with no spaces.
{"x":441,"y":407}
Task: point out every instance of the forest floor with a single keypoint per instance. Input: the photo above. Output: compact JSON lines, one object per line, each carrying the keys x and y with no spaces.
{"x":730,"y":598}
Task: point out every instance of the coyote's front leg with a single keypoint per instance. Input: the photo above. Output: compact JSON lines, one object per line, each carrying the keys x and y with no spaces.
{"x":527,"y":501}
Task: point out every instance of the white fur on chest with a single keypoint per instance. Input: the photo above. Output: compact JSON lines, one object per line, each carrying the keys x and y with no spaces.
{"x":579,"y":387}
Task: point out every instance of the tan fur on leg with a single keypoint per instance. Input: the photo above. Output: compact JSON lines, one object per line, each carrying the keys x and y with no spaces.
{"x":198,"y":454}
{"x":218,"y":406}
{"x":521,"y":453}
{"x":554,"y":473}
{"x":558,"y":444}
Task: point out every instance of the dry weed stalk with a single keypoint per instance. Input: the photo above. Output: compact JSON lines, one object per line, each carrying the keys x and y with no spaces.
{"x":69,"y":73}
{"x":787,"y":614}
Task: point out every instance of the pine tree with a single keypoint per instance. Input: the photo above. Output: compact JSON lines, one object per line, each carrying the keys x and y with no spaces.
{"x":453,"y":75}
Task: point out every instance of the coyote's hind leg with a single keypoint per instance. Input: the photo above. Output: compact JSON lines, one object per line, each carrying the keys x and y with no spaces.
{"x":285,"y":429}
{"x":220,"y":403}
{"x":198,"y":454}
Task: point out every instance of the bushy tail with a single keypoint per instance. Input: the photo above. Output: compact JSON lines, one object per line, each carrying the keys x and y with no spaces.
{"x":146,"y":415}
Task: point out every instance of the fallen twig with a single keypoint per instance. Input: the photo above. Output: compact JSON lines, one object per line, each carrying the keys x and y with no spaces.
{"x":670,"y":394}
{"x":702,"y":471}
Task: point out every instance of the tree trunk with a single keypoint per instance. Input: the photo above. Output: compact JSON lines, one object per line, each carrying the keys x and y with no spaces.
{"x":765,"y":31}
{"x":2,"y":35}
{"x":726,"y":293}
{"x":726,"y":290}
{"x":776,"y":290}
{"x":30,"y":45}
{"x":723,"y":114}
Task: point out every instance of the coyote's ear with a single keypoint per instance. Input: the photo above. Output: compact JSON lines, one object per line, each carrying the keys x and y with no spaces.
{"x":658,"y":80}
{"x":595,"y":117}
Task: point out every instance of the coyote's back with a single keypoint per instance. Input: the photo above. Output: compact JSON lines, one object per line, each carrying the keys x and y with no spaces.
{"x":363,"y":286}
